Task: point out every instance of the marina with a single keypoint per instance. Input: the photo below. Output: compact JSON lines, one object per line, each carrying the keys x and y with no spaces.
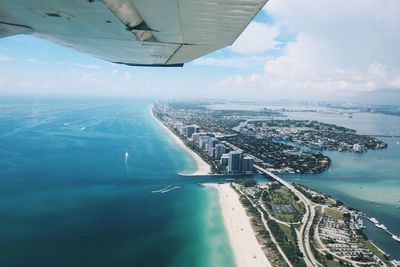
{"x":383,"y":227}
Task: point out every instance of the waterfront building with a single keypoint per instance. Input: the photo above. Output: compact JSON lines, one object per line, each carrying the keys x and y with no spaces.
{"x":190,"y":129}
{"x":203,"y":141}
{"x":213,"y":152}
{"x":224,"y":161}
{"x":321,"y":144}
{"x":177,"y":126}
{"x":219,"y":150}
{"x":211,"y":144}
{"x":182,"y":130}
{"x":358,"y":148}
{"x":196,"y":138}
{"x":247,"y":164}
{"x":235,"y":161}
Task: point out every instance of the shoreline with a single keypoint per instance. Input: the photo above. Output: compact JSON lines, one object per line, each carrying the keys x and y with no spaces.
{"x":202,"y":167}
{"x":246,"y":249}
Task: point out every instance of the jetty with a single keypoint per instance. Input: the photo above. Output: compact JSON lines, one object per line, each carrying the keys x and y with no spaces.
{"x":383,"y":227}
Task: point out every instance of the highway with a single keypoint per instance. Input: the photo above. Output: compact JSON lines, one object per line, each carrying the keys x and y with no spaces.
{"x":304,"y":233}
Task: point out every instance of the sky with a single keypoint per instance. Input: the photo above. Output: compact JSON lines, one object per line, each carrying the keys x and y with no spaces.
{"x":299,"y":50}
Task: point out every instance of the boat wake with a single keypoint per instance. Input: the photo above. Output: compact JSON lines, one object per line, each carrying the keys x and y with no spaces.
{"x":170,"y":189}
{"x":165,"y":189}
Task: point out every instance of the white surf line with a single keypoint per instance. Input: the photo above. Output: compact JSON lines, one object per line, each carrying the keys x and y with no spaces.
{"x":165,"y":191}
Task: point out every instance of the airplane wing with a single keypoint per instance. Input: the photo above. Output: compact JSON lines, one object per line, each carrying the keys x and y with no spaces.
{"x":133,"y":32}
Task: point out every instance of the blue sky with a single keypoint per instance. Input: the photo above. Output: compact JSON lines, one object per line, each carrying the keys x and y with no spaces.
{"x":306,"y":49}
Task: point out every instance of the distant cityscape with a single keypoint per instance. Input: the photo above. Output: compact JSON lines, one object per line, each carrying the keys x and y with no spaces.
{"x":297,"y":226}
{"x":232,"y":141}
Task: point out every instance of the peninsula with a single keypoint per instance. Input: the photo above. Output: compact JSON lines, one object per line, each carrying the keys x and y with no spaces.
{"x":202,"y":167}
{"x":276,"y":223}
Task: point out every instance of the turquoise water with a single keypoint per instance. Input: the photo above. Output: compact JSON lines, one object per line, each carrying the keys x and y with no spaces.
{"x":69,"y":198}
{"x":360,"y":179}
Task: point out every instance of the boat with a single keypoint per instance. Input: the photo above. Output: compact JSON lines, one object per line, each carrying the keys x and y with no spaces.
{"x":381,"y":226}
{"x":361,"y":224}
{"x":396,"y":238}
{"x":395,"y":262}
{"x":375,"y":221}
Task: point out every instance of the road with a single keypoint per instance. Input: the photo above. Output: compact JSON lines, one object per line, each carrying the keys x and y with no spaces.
{"x":304,"y":233}
{"x":267,"y":228}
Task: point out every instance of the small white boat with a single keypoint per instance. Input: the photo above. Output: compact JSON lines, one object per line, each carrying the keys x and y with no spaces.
{"x":375,"y":221}
{"x":381,"y":226}
{"x":395,"y":237}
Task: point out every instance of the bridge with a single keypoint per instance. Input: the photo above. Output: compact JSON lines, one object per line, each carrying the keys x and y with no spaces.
{"x":303,"y":235}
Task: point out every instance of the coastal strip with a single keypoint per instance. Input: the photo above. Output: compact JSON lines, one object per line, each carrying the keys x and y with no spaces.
{"x":246,"y":249}
{"x":202,"y":167}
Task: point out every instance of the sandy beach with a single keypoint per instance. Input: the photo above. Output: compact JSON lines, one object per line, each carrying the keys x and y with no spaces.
{"x":243,"y":242}
{"x":202,"y":167}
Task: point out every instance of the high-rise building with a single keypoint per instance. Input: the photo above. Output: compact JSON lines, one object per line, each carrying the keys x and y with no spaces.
{"x":182,"y":130}
{"x":211,"y":144}
{"x":203,"y":141}
{"x":224,"y":159}
{"x":213,"y":152}
{"x":190,"y":129}
{"x":178,"y":126}
{"x":247,"y":164}
{"x":235,"y":161}
{"x":196,"y":138}
{"x":219,"y":150}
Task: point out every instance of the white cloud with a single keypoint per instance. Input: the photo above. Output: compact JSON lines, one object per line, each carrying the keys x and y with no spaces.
{"x":256,"y":38}
{"x":341,"y":47}
{"x":303,"y":71}
{"x":87,"y":66}
{"x":5,"y":58}
{"x":356,"y":33}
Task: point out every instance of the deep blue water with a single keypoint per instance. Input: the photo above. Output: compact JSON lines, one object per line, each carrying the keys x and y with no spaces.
{"x":69,"y":198}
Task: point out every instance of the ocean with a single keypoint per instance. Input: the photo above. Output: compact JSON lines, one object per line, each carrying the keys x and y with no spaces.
{"x":68,"y":196}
